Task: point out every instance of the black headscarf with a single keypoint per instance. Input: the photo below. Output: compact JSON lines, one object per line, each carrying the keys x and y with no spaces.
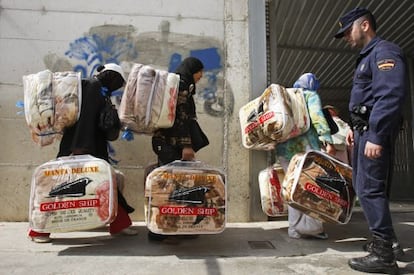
{"x":187,"y":68}
{"x":110,"y":79}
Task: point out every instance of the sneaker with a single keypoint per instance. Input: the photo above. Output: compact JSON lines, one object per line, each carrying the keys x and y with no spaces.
{"x":41,"y":239}
{"x":396,"y":248}
{"x":293,"y":234}
{"x":321,"y":236}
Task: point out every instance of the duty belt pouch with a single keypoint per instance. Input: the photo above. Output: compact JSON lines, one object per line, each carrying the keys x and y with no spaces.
{"x":185,"y":197}
{"x":359,"y":118}
{"x":320,"y":186}
{"x":71,"y":194}
{"x":359,"y":123}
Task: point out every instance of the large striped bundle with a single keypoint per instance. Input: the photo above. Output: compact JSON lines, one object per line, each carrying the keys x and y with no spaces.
{"x":149,"y":99}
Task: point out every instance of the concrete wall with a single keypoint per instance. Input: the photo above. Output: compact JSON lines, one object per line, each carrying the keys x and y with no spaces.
{"x":80,"y":35}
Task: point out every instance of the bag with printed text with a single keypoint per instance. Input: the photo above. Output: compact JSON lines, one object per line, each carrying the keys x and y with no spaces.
{"x":276,"y":116}
{"x":185,"y":197}
{"x":270,"y":187}
{"x":71,"y":194}
{"x":320,"y":186}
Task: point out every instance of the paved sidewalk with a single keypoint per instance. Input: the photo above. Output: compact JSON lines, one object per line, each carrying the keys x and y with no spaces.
{"x":243,"y":248}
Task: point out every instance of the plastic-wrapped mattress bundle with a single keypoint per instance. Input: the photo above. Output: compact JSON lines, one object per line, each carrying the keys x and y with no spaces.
{"x":149,"y":99}
{"x":276,"y":116}
{"x":270,"y":187}
{"x":185,"y":197}
{"x":52,"y":102}
{"x":320,"y":186}
{"x":67,"y":98}
{"x":72,"y":193}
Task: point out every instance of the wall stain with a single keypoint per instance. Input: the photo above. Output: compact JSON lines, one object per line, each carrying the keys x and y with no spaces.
{"x":163,"y":50}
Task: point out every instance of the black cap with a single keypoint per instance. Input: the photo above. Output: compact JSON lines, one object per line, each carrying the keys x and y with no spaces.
{"x":346,"y":20}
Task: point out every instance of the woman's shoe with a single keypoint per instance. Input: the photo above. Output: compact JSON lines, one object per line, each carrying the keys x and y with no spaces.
{"x":320,"y":236}
{"x":41,"y":239}
{"x":129,"y":231}
{"x":156,"y":237}
{"x":293,"y":234}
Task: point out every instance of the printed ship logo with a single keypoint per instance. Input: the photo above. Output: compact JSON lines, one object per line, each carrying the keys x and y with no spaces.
{"x":331,"y":183}
{"x":191,"y":196}
{"x":71,"y":189}
{"x":195,"y":195}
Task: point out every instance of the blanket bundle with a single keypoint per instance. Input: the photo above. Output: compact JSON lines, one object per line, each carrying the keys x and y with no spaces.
{"x":51,"y":103}
{"x":277,"y":115}
{"x":149,"y":99}
{"x":185,"y":197}
{"x":73,"y":193}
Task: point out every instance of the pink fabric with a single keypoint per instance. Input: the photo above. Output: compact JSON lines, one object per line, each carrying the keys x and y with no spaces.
{"x":121,"y":221}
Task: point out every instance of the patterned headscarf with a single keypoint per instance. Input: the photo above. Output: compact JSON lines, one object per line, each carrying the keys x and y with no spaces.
{"x":307,"y":81}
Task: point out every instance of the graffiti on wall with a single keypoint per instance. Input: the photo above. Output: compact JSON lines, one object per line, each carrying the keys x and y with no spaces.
{"x":159,"y":49}
{"x":96,"y":50}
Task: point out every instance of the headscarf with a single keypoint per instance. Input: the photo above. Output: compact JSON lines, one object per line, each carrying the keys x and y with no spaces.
{"x":187,"y":68}
{"x":112,"y":67}
{"x":307,"y":81}
{"x":111,"y":76}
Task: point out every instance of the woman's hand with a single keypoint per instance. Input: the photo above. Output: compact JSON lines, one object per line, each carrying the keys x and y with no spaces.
{"x":330,"y":149}
{"x":188,"y":153}
{"x":350,"y":138}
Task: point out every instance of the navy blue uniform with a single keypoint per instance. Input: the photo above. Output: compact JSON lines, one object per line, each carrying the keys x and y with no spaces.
{"x":379,"y":87}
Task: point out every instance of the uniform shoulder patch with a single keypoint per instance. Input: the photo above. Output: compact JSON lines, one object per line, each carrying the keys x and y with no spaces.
{"x":386,"y":64}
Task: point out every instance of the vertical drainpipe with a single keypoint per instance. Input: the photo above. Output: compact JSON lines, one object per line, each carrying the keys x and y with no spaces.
{"x":259,"y":80}
{"x":410,"y":63}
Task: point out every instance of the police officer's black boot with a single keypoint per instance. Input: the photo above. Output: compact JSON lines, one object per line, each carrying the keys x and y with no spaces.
{"x":380,"y":260}
{"x":396,"y":248}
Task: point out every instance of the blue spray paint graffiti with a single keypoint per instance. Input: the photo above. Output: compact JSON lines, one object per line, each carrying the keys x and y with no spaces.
{"x":213,"y":100}
{"x":210,"y":57}
{"x":95,"y":51}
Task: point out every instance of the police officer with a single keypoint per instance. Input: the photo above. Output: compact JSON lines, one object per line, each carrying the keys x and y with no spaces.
{"x":376,"y":103}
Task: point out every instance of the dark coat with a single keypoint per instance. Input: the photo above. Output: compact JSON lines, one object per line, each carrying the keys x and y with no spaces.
{"x":85,"y":134}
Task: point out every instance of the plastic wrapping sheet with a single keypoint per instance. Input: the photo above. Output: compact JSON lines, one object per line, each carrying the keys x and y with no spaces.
{"x":320,"y":186}
{"x":72,"y":193}
{"x":185,"y":197}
